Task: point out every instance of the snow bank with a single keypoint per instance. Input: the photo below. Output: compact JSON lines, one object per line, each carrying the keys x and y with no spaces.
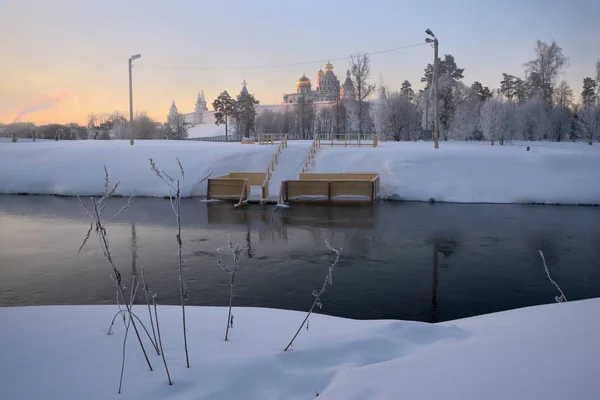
{"x":545,"y":352}
{"x":209,"y":128}
{"x":66,"y":167}
{"x":475,"y":172}
{"x":463,"y":172}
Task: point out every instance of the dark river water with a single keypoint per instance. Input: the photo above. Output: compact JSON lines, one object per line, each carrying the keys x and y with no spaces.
{"x":415,"y":261}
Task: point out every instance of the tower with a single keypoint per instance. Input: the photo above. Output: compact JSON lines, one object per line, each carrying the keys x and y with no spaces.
{"x":173,"y":117}
{"x":320,"y":75}
{"x":201,"y":103}
{"x":303,"y":85}
{"x":347,"y":92}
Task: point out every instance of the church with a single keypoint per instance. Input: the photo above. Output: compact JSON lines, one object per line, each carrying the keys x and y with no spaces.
{"x":193,"y":118}
{"x":327,"y":89}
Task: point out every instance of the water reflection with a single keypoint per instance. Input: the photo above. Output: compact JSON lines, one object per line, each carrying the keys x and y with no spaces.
{"x":400,"y":260}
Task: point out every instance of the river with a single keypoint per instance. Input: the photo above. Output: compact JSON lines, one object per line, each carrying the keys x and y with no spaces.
{"x":414,"y":261}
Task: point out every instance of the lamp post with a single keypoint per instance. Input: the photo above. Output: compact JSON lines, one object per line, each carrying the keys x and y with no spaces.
{"x":134,"y":57}
{"x":436,"y":71}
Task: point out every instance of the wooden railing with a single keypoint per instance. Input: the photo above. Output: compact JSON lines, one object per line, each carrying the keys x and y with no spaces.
{"x":316,"y":143}
{"x":272,"y":138}
{"x":348,"y":139}
{"x":282,"y":145}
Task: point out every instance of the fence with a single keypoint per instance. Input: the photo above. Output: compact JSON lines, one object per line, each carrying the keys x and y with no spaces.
{"x":221,"y":138}
{"x":348,"y":139}
{"x":272,"y":138}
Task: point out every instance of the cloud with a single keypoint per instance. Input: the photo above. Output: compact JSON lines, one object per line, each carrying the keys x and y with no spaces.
{"x":42,"y":104}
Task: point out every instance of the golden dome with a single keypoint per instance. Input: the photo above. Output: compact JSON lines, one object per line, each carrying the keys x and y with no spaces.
{"x":320,"y":72}
{"x":328,"y":66}
{"x":303,"y":81}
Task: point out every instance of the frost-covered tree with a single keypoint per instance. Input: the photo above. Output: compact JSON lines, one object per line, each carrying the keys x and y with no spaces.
{"x":145,"y":127}
{"x":465,"y":124}
{"x":396,"y":117}
{"x":588,"y":123}
{"x":561,"y":123}
{"x":563,"y":95}
{"x":266,"y":123}
{"x":547,"y":66}
{"x":360,"y":69}
{"x":305,"y":113}
{"x":533,"y":120}
{"x":588,"y":94}
{"x":325,"y":120}
{"x":494,"y":121}
{"x":598,"y":78}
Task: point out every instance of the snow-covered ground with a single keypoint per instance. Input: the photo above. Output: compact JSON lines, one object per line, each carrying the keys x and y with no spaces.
{"x":544,"y":352}
{"x":464,"y":172}
{"x":209,"y":128}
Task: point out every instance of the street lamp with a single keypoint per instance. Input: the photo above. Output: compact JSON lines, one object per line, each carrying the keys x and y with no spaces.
{"x":134,"y":57}
{"x":436,"y":71}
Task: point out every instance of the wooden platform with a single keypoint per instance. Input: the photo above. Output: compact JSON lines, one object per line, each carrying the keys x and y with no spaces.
{"x":236,"y":186}
{"x":331,"y":188}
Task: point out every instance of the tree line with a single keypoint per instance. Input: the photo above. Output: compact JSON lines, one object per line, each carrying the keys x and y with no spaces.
{"x":538,"y":106}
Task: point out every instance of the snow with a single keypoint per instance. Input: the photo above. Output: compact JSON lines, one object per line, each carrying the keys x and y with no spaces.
{"x":544,"y":352}
{"x":208,"y":128}
{"x":463,"y":172}
{"x":475,"y":172}
{"x":350,"y":197}
{"x":316,"y":197}
{"x":290,"y":163}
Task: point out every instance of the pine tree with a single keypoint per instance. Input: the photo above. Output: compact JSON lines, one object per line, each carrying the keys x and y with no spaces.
{"x":407,"y":90}
{"x":244,"y":112}
{"x":483,"y":92}
{"x":588,"y":95}
{"x":223,"y":106}
{"x":508,"y":86}
{"x":520,"y":90}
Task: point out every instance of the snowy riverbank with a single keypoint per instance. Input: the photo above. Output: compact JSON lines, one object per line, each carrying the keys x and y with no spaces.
{"x":544,"y":352}
{"x":463,"y":172}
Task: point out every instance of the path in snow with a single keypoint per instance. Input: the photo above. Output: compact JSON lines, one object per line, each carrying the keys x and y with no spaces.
{"x":289,"y":166}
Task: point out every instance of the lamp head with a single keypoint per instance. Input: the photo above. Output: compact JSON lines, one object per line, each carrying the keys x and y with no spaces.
{"x":428,"y":40}
{"x":428,"y":31}
{"x":135,"y":57}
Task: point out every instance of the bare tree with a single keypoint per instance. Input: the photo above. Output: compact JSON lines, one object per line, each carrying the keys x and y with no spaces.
{"x":548,"y":64}
{"x":360,"y":69}
{"x":563,"y":95}
{"x":588,"y":123}
{"x":493,"y":120}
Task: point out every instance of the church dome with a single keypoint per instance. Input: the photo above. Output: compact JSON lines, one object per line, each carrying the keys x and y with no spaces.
{"x":328,"y":66}
{"x":320,"y":73}
{"x":303,"y":81}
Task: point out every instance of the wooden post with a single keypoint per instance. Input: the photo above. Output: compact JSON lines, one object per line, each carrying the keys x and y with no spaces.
{"x":374,"y":140}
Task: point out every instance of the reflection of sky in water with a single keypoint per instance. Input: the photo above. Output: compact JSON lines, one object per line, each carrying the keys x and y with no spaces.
{"x":486,"y":255}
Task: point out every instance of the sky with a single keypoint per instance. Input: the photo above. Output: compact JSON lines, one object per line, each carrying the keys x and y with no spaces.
{"x":64,"y":59}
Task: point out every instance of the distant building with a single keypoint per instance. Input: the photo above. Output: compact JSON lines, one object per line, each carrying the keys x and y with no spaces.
{"x":194,"y":118}
{"x":327,"y":89}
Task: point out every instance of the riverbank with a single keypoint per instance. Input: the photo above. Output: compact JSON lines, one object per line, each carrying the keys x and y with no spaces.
{"x":461,"y":172}
{"x":547,"y":352}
